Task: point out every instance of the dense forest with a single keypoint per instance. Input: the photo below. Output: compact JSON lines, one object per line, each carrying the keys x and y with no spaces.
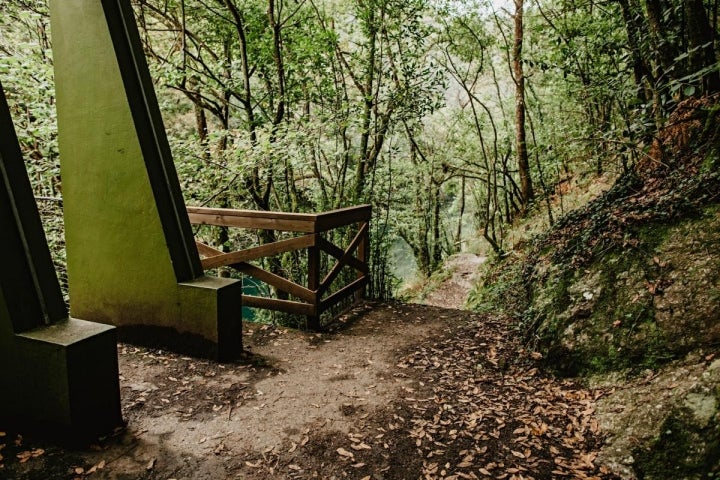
{"x":453,"y":119}
{"x":575,"y":143}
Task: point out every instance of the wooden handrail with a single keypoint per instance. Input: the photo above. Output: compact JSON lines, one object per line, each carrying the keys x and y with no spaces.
{"x":282,"y":221}
{"x":354,"y":256}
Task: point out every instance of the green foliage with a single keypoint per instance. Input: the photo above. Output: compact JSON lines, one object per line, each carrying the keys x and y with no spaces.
{"x":407,"y":105}
{"x":27,"y":77}
{"x":501,"y":288}
{"x":26,"y":70}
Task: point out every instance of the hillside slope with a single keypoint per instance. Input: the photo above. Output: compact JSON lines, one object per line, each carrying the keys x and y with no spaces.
{"x":628,"y":287}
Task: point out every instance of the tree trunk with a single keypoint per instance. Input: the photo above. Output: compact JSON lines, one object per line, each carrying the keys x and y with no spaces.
{"x":634,"y":29}
{"x":368,"y":103}
{"x":458,"y":233}
{"x":520,"y":137}
{"x":701,"y":45}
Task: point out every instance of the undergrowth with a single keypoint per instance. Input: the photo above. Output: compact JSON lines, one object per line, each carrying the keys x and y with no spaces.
{"x":570,"y":288}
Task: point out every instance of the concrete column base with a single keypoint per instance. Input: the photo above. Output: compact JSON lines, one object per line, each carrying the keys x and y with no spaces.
{"x":202,"y":318}
{"x":61,"y":381}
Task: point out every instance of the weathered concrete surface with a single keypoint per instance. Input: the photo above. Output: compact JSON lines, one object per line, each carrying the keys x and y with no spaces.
{"x":130,"y":254}
{"x":58,"y":376}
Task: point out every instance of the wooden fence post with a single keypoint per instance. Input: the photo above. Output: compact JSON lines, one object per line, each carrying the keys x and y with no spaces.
{"x":362,"y":255}
{"x":314,"y":283}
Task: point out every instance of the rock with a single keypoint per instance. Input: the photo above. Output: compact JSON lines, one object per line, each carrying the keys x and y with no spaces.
{"x":666,"y":427}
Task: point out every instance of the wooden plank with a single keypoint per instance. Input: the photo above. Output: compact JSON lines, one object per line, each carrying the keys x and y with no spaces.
{"x":314,"y":281}
{"x":346,"y":291}
{"x":207,"y":250}
{"x":261,"y":251}
{"x":276,"y":281}
{"x":279,"y":305}
{"x":231,"y":212}
{"x":301,"y":226}
{"x":256,"y":219}
{"x":341,"y":217}
{"x":346,"y":258}
{"x":363,"y":253}
{"x":340,"y":254}
{"x":283,"y":221}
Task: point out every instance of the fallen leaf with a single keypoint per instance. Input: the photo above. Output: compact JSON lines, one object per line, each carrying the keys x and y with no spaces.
{"x":360,"y":446}
{"x":344,"y":453}
{"x":27,"y":455}
{"x":151,"y":464}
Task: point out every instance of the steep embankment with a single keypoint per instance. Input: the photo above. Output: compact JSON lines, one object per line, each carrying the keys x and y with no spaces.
{"x":629,"y":287}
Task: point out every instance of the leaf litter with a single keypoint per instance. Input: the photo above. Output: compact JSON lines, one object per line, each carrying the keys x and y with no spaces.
{"x":471,"y":403}
{"x":484,"y":409}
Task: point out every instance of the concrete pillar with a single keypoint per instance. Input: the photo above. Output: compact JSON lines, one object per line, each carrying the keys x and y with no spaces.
{"x":58,"y":375}
{"x":132,"y":260}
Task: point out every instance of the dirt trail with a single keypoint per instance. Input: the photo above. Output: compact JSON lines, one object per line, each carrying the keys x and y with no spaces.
{"x":195,"y":419}
{"x":401,"y":391}
{"x":395,"y":392}
{"x":453,"y":292}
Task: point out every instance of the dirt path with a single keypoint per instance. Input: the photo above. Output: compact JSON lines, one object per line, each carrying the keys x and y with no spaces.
{"x":400,"y":392}
{"x":453,"y":292}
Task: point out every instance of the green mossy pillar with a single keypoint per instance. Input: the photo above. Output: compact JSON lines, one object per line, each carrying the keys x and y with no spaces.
{"x":58,"y":375}
{"x":132,"y":261}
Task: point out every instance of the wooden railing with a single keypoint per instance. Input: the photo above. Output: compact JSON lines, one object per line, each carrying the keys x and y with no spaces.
{"x":319,"y":294}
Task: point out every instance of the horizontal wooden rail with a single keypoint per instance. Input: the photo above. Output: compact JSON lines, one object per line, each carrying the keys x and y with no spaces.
{"x":312,"y":303}
{"x":286,"y":306}
{"x":281,"y":221}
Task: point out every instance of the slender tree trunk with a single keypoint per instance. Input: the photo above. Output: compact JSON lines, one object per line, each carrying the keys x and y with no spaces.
{"x":701,"y":45}
{"x":368,"y":103}
{"x":458,"y":233}
{"x":634,"y":30}
{"x":436,"y":257}
{"x":279,"y":65}
{"x":520,"y":137}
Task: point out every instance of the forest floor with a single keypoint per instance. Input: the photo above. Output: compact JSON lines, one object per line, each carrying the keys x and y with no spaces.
{"x":394,"y":391}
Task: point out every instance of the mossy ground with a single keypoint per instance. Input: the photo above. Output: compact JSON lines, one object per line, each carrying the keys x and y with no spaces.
{"x":682,"y":450}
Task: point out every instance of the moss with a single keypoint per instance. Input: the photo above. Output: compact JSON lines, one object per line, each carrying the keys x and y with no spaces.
{"x":633,"y":304}
{"x":711,"y":162}
{"x":682,"y":450}
{"x":611,"y":329}
{"x":502,"y":289}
